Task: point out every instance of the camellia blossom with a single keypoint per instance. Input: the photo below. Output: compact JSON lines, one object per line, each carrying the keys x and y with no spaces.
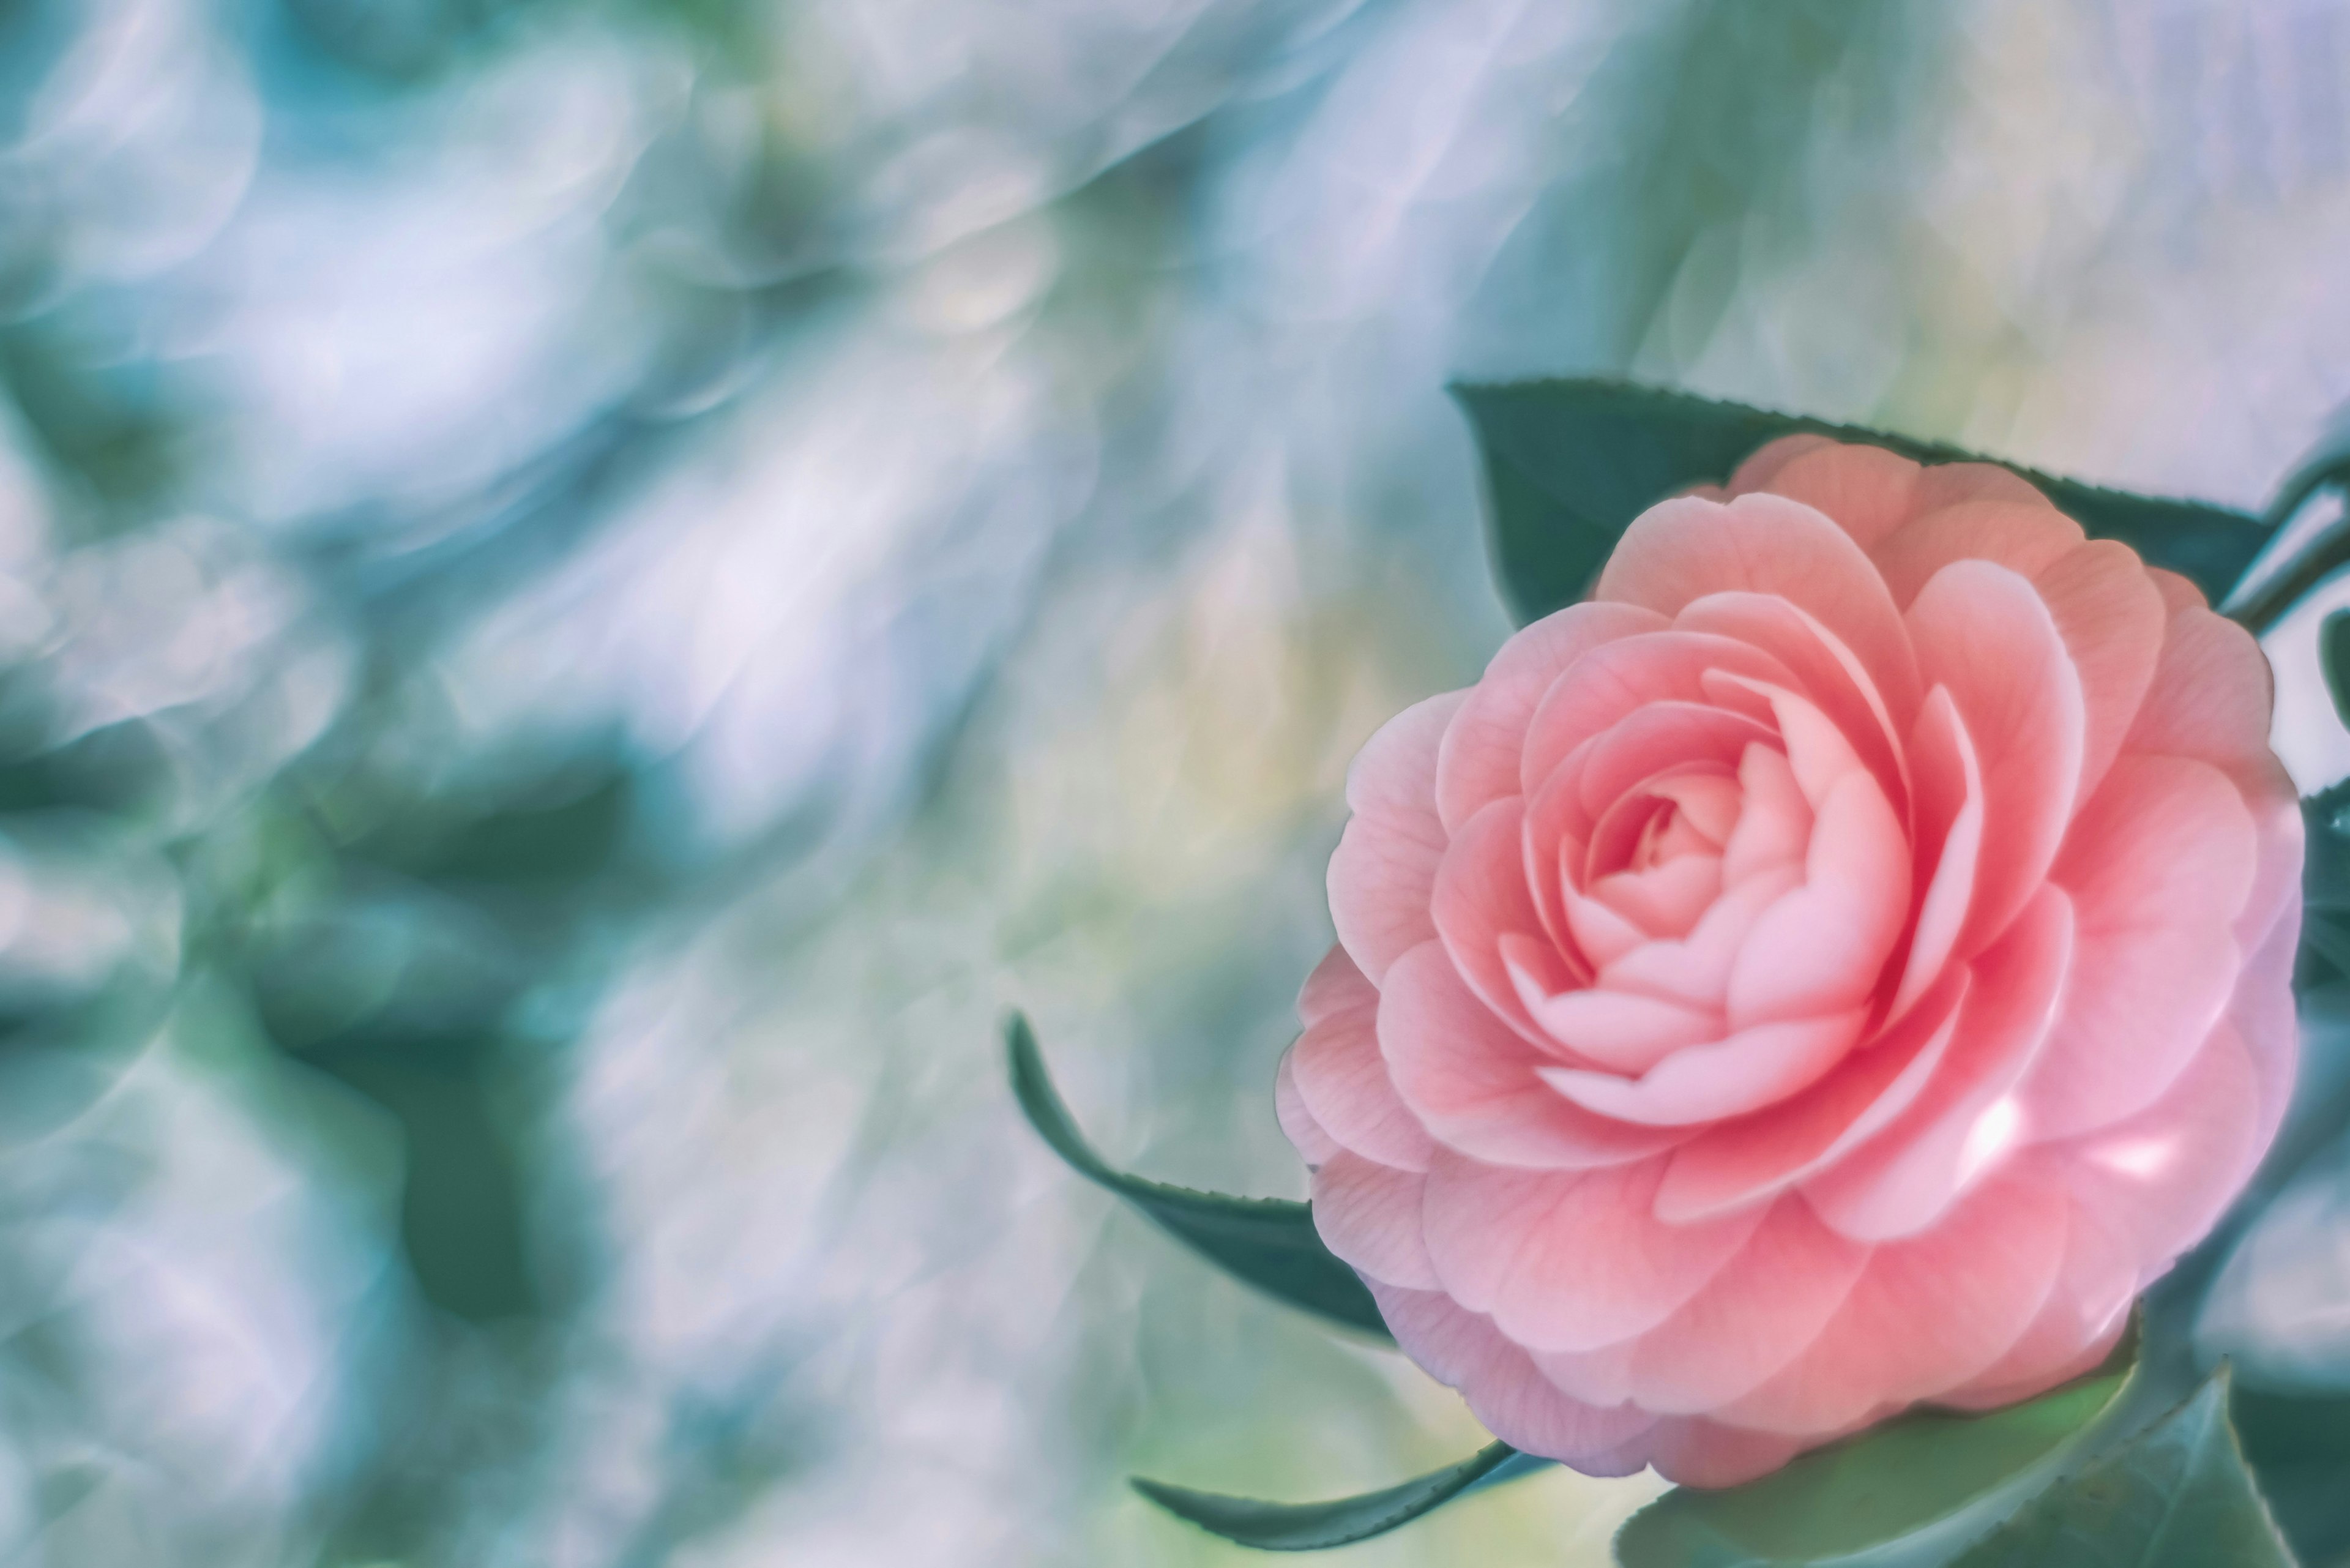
{"x":1838,"y":966}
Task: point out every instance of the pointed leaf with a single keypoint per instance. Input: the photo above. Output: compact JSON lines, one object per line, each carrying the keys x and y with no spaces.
{"x":1268,"y":1242}
{"x":1569,"y":464}
{"x":2177,"y":1495}
{"x":1885,"y":1487}
{"x":1313,"y":1526}
{"x":2334,"y":655}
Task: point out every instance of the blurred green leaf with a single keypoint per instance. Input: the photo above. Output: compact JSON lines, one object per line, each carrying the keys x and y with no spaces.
{"x":1569,"y":464}
{"x":2333,"y":656}
{"x":1314,"y":1526}
{"x":1268,"y":1242}
{"x":1875,"y":1490}
{"x":2299,"y":1448}
{"x":2177,"y":1495}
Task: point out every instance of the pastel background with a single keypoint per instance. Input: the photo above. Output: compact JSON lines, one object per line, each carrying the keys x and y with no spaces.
{"x":589,"y":588}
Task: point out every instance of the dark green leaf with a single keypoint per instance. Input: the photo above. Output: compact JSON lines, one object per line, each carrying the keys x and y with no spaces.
{"x":1313,"y":1526}
{"x":1884,"y":1486}
{"x":2334,"y":654}
{"x":1570,"y":463}
{"x":1268,"y":1242}
{"x":2299,"y":1448}
{"x":2176,"y":1496}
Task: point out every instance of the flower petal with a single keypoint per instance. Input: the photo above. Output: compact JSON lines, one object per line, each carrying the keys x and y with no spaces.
{"x":1903,"y":1180}
{"x":2026,"y":536}
{"x":1928,"y":1314}
{"x":2111,"y":616}
{"x":1385,"y":865}
{"x":1680,"y":551}
{"x":1866,"y":491}
{"x":1567,"y":1261}
{"x":2158,"y":866}
{"x":1611,"y":683}
{"x":1341,"y":1082}
{"x":1368,"y":1214}
{"x":1477,"y":762}
{"x":1745,"y":1160}
{"x":1949,"y":828}
{"x":1983,"y":632}
{"x":1821,"y":948}
{"x":1470,"y":1078}
{"x":1743,"y":1072}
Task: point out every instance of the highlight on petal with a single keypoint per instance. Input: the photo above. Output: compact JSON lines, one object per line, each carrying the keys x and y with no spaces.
{"x":1384,"y":870}
{"x":1964,"y":1121}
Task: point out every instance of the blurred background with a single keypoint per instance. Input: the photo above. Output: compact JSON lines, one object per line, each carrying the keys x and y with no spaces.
{"x":590,"y":588}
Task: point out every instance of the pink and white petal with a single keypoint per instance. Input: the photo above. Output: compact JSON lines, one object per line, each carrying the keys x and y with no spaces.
{"x":1505,"y":1392}
{"x":1928,"y":1314}
{"x":1693,"y":1450}
{"x":1667,"y":899}
{"x":1611,"y":683}
{"x":1342,"y":1082}
{"x":1660,"y":738}
{"x":1694,"y":970}
{"x":2211,"y":700}
{"x":1742,"y":1072}
{"x":1768,"y":1305}
{"x":1737,"y":1163}
{"x":1470,"y":1078}
{"x":1337,"y":985}
{"x":2158,"y":866}
{"x":1774,"y":824}
{"x":1680,"y":551}
{"x":1567,"y":1261}
{"x":1866,"y":491}
{"x":1965,"y":1121}
{"x":1298,"y":1124}
{"x":1948,"y":834}
{"x":2155,"y":1183}
{"x":1822,"y":668}
{"x":1477,"y":760}
{"x":1368,"y":1214}
{"x":1383,"y":873}
{"x":1764,"y":463}
{"x":1624,"y":1031}
{"x":1822,"y":949}
{"x":1481,"y":897}
{"x":2111,"y":616}
{"x":1982,"y":631}
{"x":2025,"y":537}
{"x":1950,"y":483}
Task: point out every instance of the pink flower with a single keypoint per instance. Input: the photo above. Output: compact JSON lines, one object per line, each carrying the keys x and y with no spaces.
{"x":1839,"y":966}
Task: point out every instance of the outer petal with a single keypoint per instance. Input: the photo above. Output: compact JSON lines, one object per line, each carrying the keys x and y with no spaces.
{"x":1481,"y":899}
{"x":1982,"y":632}
{"x":2025,"y":536}
{"x":1901,"y":1181}
{"x":1508,"y":1396}
{"x":1765,"y":1307}
{"x":1385,"y":868}
{"x":1298,"y":1124}
{"x":1745,"y":1160}
{"x":1338,"y":1078}
{"x":1478,"y":761}
{"x":1680,"y":551}
{"x":1867,"y":491}
{"x":1693,"y":1452}
{"x":1369,"y":1216}
{"x":2158,"y":866}
{"x":1567,"y":1261}
{"x":1470,"y":1078}
{"x":1928,"y":1314}
{"x":2111,"y":616}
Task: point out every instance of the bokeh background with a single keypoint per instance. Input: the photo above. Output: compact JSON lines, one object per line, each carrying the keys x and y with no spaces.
{"x":590,"y":588}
